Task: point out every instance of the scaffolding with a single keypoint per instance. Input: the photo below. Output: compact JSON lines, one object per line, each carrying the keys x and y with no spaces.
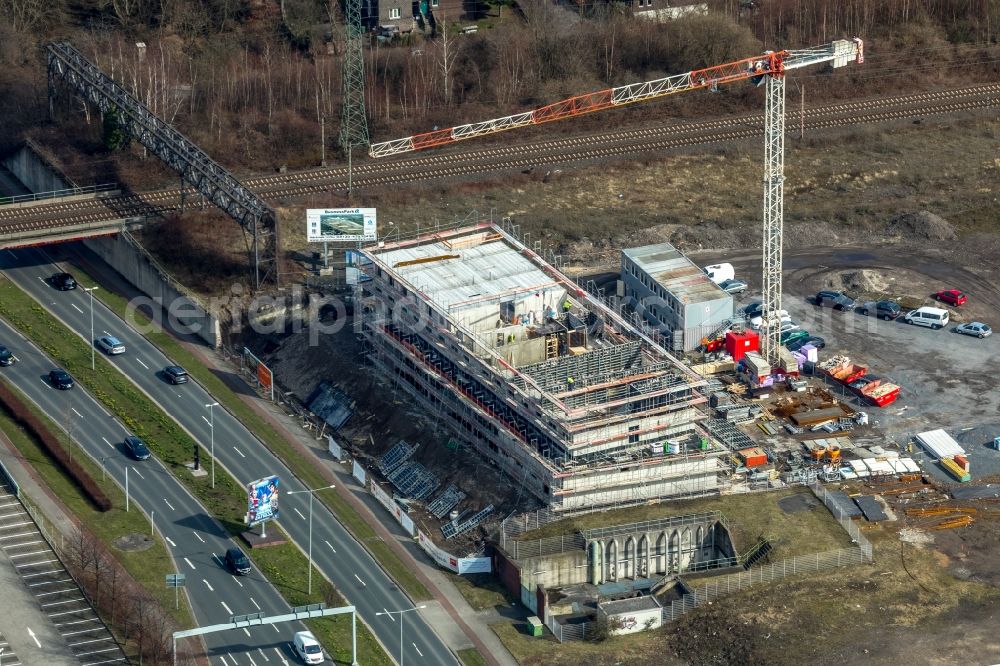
{"x":606,"y":418}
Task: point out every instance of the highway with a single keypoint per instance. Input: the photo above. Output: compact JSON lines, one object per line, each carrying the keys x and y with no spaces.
{"x":196,"y":540}
{"x":335,"y":552}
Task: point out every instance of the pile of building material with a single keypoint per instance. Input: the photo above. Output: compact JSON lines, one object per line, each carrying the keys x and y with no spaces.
{"x":952,"y":457}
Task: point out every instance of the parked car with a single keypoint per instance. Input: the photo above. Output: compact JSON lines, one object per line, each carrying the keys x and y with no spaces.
{"x":927,"y":316}
{"x":758,"y":321}
{"x":308,"y":648}
{"x":788,"y":327}
{"x":175,"y":374}
{"x":110,"y":345}
{"x":790,"y":336}
{"x":951,"y":297}
{"x":837,"y":300}
{"x":753,"y":310}
{"x":6,"y":357}
{"x":733,"y":286}
{"x":136,"y":448}
{"x":813,"y":340}
{"x":63,"y":281}
{"x":882,"y":309}
{"x":237,"y":562}
{"x":61,"y":379}
{"x":974,"y":328}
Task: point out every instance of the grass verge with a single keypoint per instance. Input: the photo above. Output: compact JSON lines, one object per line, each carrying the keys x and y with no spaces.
{"x":471,"y":657}
{"x":482,"y":591}
{"x":279,"y":446}
{"x":147,"y":567}
{"x":167,"y":440}
{"x":750,"y":515}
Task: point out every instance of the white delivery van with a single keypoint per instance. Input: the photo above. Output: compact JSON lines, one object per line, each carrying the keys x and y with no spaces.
{"x":719,"y":273}
{"x":926,"y":316}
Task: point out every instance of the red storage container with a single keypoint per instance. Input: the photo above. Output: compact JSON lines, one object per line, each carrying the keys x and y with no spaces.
{"x":754,"y":457}
{"x":738,"y":344}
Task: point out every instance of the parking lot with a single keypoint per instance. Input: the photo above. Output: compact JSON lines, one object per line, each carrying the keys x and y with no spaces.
{"x":947,"y":379}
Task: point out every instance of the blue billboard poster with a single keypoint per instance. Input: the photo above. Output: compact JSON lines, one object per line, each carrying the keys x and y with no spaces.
{"x":262,"y":500}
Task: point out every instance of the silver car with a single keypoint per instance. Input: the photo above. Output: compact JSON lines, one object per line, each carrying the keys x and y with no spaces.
{"x":733,"y":286}
{"x":110,"y":345}
{"x":974,"y":328}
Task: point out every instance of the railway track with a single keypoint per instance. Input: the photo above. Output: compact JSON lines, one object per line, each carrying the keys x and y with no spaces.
{"x":455,"y":163}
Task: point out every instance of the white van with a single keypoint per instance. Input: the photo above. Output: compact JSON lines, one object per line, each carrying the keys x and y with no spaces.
{"x":719,"y":273}
{"x":926,"y":316}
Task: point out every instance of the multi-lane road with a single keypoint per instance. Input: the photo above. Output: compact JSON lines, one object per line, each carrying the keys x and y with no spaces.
{"x":196,"y":540}
{"x":335,"y":552}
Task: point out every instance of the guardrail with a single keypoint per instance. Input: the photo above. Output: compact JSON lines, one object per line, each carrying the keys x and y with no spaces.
{"x":58,"y":194}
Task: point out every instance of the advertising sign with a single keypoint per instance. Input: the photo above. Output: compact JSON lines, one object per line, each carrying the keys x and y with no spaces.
{"x":262,"y":500}
{"x":340,"y":224}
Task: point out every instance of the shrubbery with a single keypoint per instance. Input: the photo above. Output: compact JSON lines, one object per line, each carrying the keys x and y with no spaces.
{"x":19,"y":411}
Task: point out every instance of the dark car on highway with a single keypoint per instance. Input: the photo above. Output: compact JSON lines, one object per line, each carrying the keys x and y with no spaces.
{"x":237,"y":562}
{"x":882,"y":309}
{"x":61,"y":379}
{"x":63,"y":281}
{"x":837,"y":300}
{"x":175,"y":374}
{"x":136,"y":447}
{"x":6,"y":357}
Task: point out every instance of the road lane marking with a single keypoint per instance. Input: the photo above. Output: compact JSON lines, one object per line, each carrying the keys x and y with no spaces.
{"x":33,"y":637}
{"x":417,"y":649}
{"x":168,"y":504}
{"x":387,"y":613}
{"x":207,"y":421}
{"x":142,"y":364}
{"x":73,"y":409}
{"x":247,"y":632}
{"x":298,"y":512}
{"x":239,"y":452}
{"x":107,"y":442}
{"x":76,"y":308}
{"x":208,"y":585}
{"x":198,"y":536}
{"x":228,"y":610}
{"x":330,"y":544}
{"x":237,"y":580}
{"x":139,"y":473}
{"x":189,"y":563}
{"x":172,"y":544}
{"x":255,"y":603}
{"x":261,"y":650}
{"x":363,"y":584}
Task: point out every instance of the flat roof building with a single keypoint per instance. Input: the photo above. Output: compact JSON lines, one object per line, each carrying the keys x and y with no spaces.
{"x":673,"y":294}
{"x":576,"y":405}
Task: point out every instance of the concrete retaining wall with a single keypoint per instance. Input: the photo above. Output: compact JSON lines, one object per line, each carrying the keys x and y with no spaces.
{"x":35,"y":172}
{"x":138,"y":269}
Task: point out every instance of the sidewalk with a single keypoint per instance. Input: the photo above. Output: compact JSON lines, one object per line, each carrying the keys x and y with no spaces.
{"x":451,"y":616}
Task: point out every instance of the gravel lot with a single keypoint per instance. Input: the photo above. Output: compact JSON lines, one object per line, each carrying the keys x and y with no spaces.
{"x":949,"y":380}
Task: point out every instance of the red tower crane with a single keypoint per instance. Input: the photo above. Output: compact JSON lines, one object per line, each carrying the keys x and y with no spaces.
{"x":770,"y":67}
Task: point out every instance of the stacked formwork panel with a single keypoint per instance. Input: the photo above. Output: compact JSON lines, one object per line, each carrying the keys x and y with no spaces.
{"x":605,"y":417}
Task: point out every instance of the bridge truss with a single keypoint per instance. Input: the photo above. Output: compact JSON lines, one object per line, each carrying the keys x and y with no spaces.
{"x":256,"y":218}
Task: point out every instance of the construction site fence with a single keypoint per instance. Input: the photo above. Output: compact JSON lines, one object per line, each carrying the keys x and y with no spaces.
{"x":569,"y":632}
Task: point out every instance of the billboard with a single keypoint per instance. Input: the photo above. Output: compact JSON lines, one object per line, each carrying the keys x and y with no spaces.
{"x":340,"y":224}
{"x":262,"y":500}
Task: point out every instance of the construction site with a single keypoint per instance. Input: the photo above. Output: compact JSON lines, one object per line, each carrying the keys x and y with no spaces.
{"x":571,"y":401}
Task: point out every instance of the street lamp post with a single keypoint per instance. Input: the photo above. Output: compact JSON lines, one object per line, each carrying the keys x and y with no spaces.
{"x":311,"y":493}
{"x":401,"y":615}
{"x":93,"y":356}
{"x":211,"y":426}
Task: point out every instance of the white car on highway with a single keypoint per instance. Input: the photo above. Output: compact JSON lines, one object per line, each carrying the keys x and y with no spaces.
{"x":110,"y":345}
{"x":308,"y":648}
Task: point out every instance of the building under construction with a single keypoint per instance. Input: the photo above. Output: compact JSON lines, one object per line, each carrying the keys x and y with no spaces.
{"x":579,"y":407}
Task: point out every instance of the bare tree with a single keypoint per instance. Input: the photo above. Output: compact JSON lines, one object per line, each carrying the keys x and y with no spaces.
{"x":24,"y":15}
{"x":446,"y":59}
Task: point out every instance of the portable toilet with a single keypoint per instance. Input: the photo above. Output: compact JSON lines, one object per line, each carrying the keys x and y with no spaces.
{"x":996,"y":443}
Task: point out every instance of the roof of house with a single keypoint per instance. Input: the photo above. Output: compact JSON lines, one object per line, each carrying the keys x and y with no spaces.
{"x":675,"y":273}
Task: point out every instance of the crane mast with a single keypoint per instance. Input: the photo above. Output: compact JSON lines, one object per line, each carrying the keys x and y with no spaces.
{"x":769,"y":67}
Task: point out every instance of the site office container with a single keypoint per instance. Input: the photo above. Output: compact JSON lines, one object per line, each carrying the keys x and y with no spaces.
{"x":754,"y":457}
{"x":738,"y":344}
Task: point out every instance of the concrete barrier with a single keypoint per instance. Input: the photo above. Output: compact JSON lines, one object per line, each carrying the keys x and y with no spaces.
{"x":127,"y":257}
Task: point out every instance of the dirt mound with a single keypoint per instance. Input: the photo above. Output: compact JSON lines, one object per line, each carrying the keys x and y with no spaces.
{"x":922,"y":224}
{"x":863,"y":281}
